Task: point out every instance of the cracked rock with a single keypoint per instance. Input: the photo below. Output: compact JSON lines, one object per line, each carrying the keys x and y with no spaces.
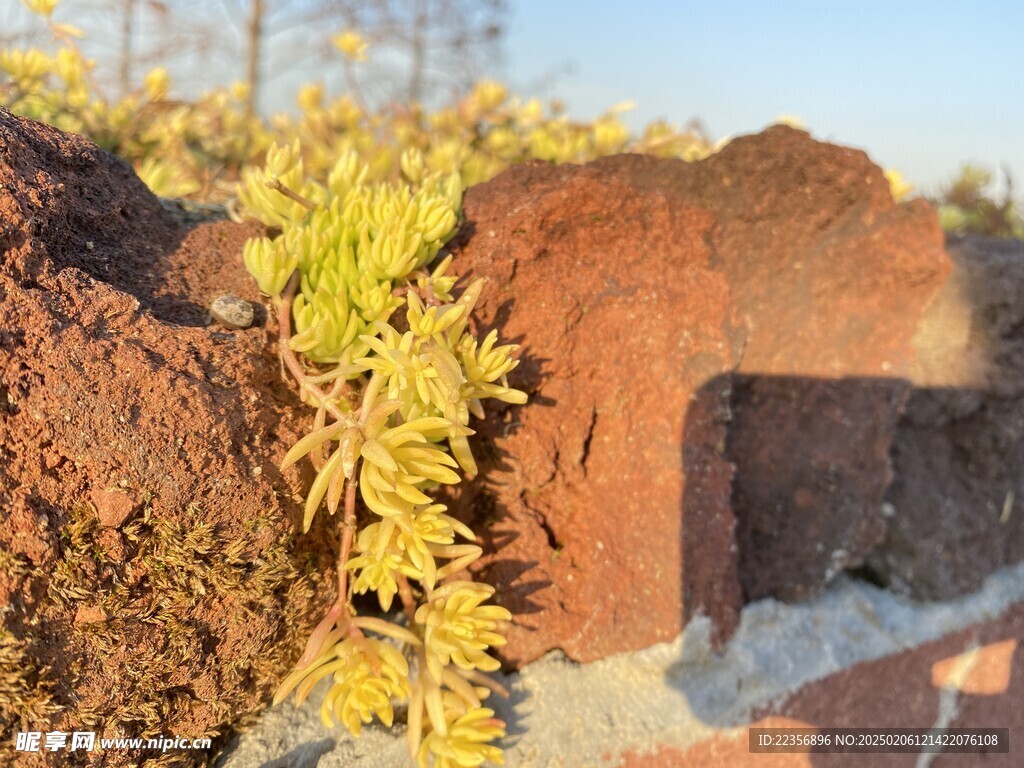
{"x":653,"y":298}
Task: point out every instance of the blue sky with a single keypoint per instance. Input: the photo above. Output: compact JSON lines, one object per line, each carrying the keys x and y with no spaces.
{"x":921,"y":86}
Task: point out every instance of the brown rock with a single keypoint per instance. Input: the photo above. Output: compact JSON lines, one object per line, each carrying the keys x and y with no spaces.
{"x":87,"y":614}
{"x":111,"y":544}
{"x":831,"y":279}
{"x":957,"y":501}
{"x":112,"y":507}
{"x":623,"y":317}
{"x":113,"y":394}
{"x":636,"y":286}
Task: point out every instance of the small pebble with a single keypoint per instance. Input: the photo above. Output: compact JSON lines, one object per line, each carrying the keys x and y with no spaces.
{"x":232,"y":312}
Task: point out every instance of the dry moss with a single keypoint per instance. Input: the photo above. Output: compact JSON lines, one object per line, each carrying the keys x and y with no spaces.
{"x":155,"y":602}
{"x":26,"y":692}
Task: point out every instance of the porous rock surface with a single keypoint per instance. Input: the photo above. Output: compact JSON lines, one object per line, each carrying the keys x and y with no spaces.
{"x":682,"y":323}
{"x":149,"y":578}
{"x":957,"y":501}
{"x":626,"y":322}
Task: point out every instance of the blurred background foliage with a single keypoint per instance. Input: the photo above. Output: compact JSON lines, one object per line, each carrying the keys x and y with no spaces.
{"x":137,"y":76}
{"x":968,"y":206}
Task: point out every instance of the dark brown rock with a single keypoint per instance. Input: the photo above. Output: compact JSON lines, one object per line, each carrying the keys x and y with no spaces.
{"x":957,"y":500}
{"x":636,"y":286}
{"x":904,"y":691}
{"x":118,"y":408}
{"x":812,"y":459}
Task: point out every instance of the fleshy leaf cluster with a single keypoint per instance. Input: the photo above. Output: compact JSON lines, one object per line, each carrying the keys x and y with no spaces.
{"x":347,"y":262}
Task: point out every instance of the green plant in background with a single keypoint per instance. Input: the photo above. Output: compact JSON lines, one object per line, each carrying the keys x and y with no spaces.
{"x":967,"y":208}
{"x":201,"y":148}
{"x":391,"y":420}
{"x":899,"y":187}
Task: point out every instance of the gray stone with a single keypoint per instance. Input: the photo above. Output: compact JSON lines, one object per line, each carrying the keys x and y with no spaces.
{"x":232,"y":312}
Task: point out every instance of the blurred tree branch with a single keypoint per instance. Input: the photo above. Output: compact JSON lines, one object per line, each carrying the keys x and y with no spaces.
{"x":421,"y":50}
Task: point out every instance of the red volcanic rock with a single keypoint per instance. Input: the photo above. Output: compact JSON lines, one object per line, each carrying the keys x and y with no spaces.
{"x":637,"y":286}
{"x":145,"y":552}
{"x":113,"y":508}
{"x":587,"y":494}
{"x":830,"y":279}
